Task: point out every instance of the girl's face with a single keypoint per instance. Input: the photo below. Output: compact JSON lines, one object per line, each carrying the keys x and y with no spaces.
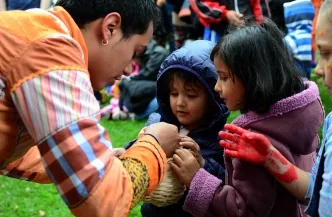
{"x":188,"y":104}
{"x":324,"y":44}
{"x":231,"y":91}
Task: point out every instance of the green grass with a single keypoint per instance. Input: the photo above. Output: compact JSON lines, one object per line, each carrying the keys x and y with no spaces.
{"x":24,"y":199}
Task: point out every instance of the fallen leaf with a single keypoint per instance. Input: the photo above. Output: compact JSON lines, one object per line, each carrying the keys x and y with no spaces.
{"x":27,"y":189}
{"x":41,"y":212}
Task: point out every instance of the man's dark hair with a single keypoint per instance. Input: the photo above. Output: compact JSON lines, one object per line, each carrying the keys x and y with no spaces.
{"x":136,"y":15}
{"x":257,"y":55}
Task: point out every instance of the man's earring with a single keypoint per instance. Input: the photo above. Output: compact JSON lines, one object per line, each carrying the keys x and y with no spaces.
{"x":104,"y":43}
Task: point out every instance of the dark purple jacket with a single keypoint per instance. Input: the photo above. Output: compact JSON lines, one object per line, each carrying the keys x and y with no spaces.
{"x":291,"y":125}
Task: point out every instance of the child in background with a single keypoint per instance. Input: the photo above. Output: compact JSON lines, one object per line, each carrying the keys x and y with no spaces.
{"x":299,"y":15}
{"x":216,"y":15}
{"x":112,"y":111}
{"x":315,"y":186}
{"x":316,"y":4}
{"x":257,"y":76}
{"x":24,"y":4}
{"x":186,"y":98}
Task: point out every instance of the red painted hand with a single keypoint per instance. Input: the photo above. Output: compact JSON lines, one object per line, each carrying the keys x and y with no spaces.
{"x":245,"y":145}
{"x":256,"y":148}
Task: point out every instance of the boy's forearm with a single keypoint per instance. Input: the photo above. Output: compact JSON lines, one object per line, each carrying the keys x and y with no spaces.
{"x":295,"y":180}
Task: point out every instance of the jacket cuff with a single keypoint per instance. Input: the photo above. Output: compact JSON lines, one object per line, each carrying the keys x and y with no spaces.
{"x":201,"y":193}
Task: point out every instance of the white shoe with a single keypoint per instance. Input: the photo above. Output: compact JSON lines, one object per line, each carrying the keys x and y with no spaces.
{"x":121,"y":115}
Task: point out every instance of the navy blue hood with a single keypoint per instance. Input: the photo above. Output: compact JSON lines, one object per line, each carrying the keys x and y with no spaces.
{"x":193,"y":58}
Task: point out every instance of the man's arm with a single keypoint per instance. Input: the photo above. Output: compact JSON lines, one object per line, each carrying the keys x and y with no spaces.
{"x":29,"y":168}
{"x":56,"y":102}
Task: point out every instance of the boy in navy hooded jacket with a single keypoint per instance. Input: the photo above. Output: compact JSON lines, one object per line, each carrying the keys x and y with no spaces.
{"x":186,"y":98}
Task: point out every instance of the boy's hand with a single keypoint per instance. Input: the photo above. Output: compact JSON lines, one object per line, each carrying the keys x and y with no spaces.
{"x":256,"y":148}
{"x":235,"y":18}
{"x":245,"y":145}
{"x":118,"y":151}
{"x":185,"y":166}
{"x":189,"y":143}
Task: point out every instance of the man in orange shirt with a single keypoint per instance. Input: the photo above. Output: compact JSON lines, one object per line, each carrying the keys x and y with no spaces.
{"x":50,"y":63}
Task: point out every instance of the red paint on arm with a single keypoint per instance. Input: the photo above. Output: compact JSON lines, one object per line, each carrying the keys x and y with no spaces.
{"x":280,"y":167}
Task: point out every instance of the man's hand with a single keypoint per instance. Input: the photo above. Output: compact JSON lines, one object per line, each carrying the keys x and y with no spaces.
{"x":235,"y":18}
{"x":185,"y":166}
{"x":118,"y":151}
{"x":189,"y":143}
{"x":141,"y":133}
{"x":167,"y":136}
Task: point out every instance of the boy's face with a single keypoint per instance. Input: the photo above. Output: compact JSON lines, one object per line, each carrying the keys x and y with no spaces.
{"x":324,"y":44}
{"x":231,"y":91}
{"x":188,"y":104}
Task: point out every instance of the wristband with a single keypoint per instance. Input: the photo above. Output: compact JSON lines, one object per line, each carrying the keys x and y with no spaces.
{"x":148,"y":134}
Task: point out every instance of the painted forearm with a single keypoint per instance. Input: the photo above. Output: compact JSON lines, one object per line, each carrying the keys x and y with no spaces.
{"x":280,"y":167}
{"x":295,"y":180}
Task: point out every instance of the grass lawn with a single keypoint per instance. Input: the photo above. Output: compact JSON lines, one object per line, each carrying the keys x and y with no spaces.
{"x":24,"y":199}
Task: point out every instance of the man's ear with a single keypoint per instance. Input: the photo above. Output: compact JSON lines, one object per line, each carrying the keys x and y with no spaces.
{"x":111,"y":25}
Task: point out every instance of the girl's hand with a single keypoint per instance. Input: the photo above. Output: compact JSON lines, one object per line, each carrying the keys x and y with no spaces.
{"x":185,"y":166}
{"x":245,"y":145}
{"x":189,"y":143}
{"x":235,"y":18}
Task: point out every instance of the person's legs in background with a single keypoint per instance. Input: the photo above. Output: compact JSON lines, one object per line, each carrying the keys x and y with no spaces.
{"x":211,"y":35}
{"x":152,"y":107}
{"x":168,"y":13}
